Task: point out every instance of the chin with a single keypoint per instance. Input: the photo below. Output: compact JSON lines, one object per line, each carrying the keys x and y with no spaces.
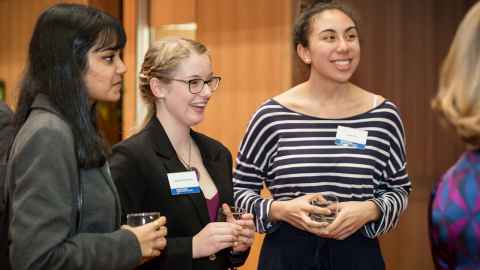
{"x":342,"y":78}
{"x":195,"y":121}
{"x":113,"y":98}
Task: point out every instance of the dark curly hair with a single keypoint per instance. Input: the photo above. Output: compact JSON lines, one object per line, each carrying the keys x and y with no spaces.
{"x":308,"y":10}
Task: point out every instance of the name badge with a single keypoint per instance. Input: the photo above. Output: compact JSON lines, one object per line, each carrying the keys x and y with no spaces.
{"x":351,"y":137}
{"x":183,"y":183}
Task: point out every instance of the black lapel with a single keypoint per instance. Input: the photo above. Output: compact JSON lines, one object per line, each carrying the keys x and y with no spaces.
{"x":168,"y":156}
{"x":217,"y":166}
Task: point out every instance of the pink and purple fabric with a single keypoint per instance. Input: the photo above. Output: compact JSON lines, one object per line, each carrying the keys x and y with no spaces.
{"x":455,"y":216}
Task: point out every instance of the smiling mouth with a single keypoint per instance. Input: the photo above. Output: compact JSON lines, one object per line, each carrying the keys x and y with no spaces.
{"x":342,"y":61}
{"x":199,"y":105}
{"x":343,"y":64}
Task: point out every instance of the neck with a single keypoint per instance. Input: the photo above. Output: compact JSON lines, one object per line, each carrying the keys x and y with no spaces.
{"x":328,"y":92}
{"x":177,"y":132}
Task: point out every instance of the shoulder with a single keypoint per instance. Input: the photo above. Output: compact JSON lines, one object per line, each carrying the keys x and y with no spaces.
{"x":389,"y":110}
{"x":269,"y":111}
{"x":138,"y":142}
{"x":44,"y":136}
{"x":47,"y":127}
{"x":210,"y":143}
{"x":5,"y":114}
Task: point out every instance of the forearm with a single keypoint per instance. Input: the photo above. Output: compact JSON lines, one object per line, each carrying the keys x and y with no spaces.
{"x":390,"y":206}
{"x":117,"y":250}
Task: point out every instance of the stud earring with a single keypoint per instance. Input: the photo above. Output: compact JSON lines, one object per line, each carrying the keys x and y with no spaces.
{"x":307,"y":60}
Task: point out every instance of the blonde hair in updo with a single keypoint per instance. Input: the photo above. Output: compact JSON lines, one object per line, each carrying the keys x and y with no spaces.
{"x":161,"y":61}
{"x":458,"y":98}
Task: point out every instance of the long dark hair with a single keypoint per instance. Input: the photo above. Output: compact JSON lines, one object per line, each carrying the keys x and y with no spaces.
{"x":57,"y":62}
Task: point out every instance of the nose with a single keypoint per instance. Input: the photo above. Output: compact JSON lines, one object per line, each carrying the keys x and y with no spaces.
{"x":206,"y":90}
{"x":121,"y":67}
{"x":343,"y":45}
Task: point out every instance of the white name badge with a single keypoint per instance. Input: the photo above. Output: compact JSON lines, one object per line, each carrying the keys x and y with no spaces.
{"x":183,"y":183}
{"x":351,"y":137}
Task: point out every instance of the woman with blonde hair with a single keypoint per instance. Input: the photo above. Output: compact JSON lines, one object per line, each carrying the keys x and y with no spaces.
{"x":184,"y":174}
{"x":455,"y":204}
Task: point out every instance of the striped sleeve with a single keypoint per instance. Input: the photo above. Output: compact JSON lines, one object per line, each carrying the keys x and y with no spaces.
{"x":391,"y":192}
{"x":251,"y":168}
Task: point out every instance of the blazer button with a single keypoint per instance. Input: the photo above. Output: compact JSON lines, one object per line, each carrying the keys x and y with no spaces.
{"x":212,"y":257}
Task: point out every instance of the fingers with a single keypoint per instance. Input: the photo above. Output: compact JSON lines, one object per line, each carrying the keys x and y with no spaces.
{"x":161,"y":221}
{"x":228,"y":213}
{"x":246,"y":221}
{"x":317,"y":210}
{"x":160,"y":243}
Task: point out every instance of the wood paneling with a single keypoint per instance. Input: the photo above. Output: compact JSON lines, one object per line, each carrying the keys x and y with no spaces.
{"x":17,"y":19}
{"x":172,"y":12}
{"x":130,"y":17}
{"x":403,"y":44}
{"x":250,"y":48}
{"x":251,"y":51}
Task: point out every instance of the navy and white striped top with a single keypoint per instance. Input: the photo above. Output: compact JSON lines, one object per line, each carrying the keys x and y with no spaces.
{"x":295,"y":154}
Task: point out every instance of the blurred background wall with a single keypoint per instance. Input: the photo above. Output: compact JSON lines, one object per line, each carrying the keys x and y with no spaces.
{"x":403,"y":44}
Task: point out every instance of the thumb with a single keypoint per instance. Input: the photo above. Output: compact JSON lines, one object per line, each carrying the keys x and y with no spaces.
{"x":228,"y":213}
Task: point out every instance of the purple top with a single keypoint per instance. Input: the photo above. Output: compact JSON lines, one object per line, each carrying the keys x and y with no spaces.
{"x":212,"y":205}
{"x":455,"y":216}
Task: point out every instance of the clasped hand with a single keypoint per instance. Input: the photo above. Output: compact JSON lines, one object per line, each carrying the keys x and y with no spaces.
{"x":216,"y":236}
{"x":351,"y":216}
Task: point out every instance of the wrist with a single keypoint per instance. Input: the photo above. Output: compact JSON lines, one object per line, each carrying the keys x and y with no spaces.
{"x":276,"y":210}
{"x":373,"y":211}
{"x":195,"y":254}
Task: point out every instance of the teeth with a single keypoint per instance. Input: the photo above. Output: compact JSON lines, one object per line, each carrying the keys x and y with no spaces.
{"x":342,"y":62}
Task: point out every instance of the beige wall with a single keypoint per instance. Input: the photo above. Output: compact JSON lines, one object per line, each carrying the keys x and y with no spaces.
{"x":250,"y":46}
{"x":17,"y":18}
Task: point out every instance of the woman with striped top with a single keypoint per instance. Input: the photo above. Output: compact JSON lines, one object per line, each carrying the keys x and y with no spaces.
{"x":325,"y":136}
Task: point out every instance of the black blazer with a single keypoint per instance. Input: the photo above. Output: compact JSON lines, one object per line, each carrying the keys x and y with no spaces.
{"x":140,"y":166}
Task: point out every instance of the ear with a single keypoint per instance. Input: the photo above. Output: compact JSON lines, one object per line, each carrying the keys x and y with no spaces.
{"x":304,"y":54}
{"x":158,"y":88}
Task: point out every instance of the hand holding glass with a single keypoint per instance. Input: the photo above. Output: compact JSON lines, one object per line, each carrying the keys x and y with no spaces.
{"x":327,"y":201}
{"x":235,"y":212}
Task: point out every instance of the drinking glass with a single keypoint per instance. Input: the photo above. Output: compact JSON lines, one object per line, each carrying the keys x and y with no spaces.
{"x":139,"y":219}
{"x":329,"y":201}
{"x":237,"y":213}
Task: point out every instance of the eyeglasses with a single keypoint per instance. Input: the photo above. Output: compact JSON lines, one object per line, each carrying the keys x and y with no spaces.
{"x":195,"y":86}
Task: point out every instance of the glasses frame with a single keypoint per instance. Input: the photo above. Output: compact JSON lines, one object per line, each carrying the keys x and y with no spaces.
{"x":189,"y":83}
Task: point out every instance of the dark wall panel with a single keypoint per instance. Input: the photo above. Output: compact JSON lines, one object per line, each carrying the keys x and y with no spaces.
{"x":403,"y":44}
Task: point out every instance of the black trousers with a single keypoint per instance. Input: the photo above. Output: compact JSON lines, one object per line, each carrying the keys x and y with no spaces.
{"x":289,"y":248}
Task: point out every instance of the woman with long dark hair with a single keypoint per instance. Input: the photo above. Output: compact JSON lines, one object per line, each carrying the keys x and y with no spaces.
{"x":64,"y":208}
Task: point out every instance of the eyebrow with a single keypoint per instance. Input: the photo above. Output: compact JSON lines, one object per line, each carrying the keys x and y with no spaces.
{"x":332,"y":30}
{"x":196,"y":76}
{"x":111,"y":48}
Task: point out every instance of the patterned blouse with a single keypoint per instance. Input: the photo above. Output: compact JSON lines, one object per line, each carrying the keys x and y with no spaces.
{"x":455,"y":216}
